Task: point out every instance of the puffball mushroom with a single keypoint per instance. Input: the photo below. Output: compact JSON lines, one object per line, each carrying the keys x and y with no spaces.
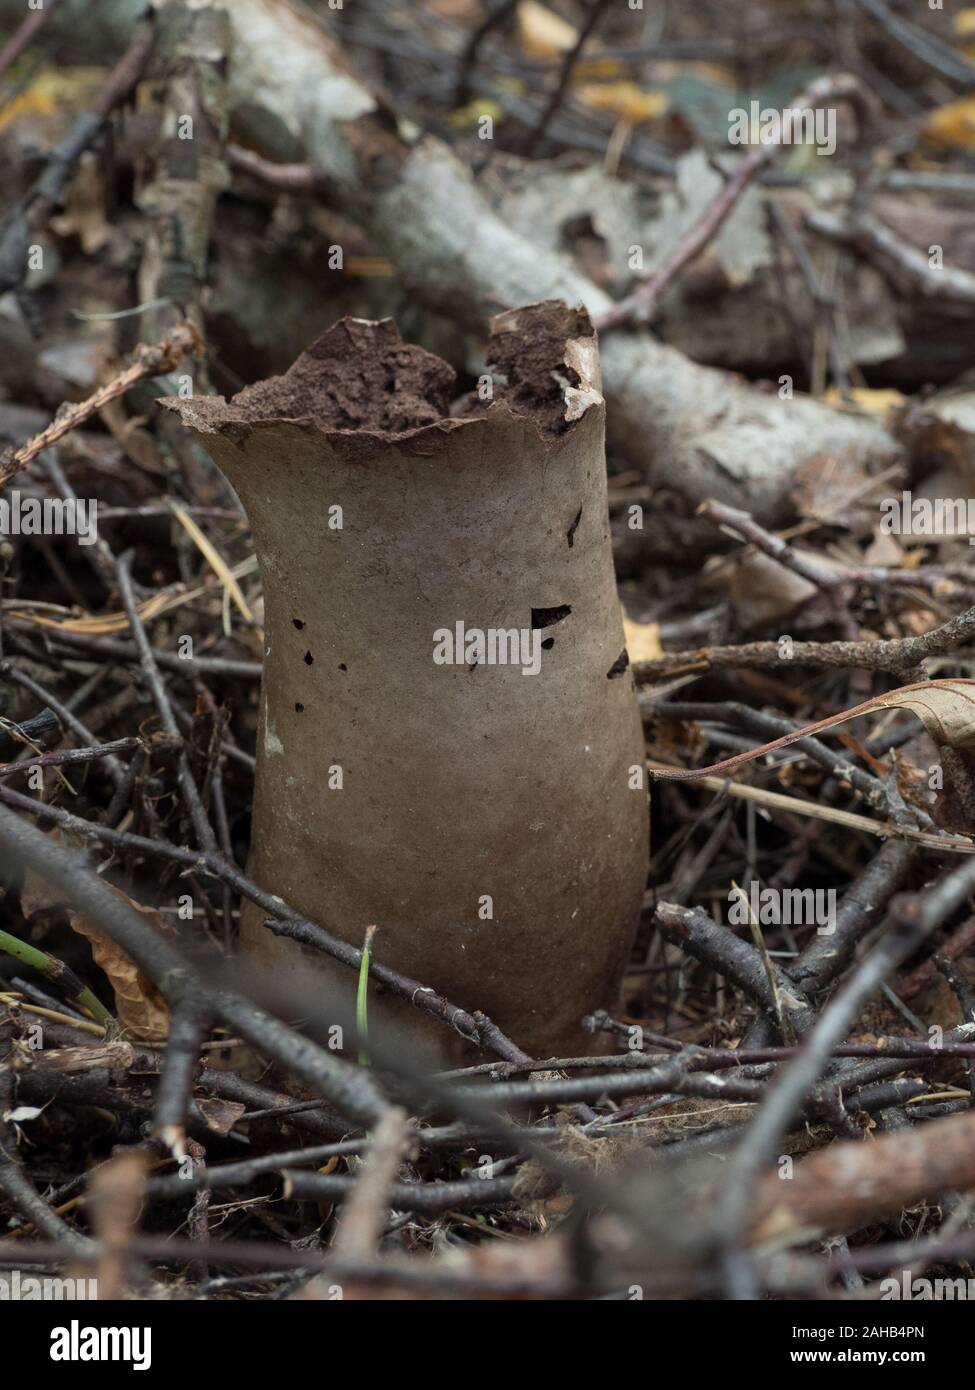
{"x":449,"y":742}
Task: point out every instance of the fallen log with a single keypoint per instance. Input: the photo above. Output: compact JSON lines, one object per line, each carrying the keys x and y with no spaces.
{"x":702,"y":432}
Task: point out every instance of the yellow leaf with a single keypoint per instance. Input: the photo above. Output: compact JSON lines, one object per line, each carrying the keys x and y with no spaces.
{"x":470,"y":114}
{"x":546,"y":35}
{"x":625,"y":100}
{"x":55,"y":91}
{"x":642,"y":640}
{"x":874,"y":402}
{"x":542,"y":33}
{"x":952,"y":126}
{"x":597,"y":67}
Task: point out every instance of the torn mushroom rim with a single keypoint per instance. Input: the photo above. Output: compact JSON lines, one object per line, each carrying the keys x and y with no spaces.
{"x":580,"y":356}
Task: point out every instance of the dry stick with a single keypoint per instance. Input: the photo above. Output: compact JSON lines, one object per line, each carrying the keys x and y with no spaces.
{"x":593,"y":15}
{"x":124,"y":792}
{"x":941,"y":57}
{"x":364,"y":1214}
{"x":834,"y":582}
{"x":245,"y":1172}
{"x":25,"y":35}
{"x":291,"y":178}
{"x":764,"y":725}
{"x":121,"y":840}
{"x":894,"y":655}
{"x":190,"y":792}
{"x":495,"y":16}
{"x":823,"y":305}
{"x":825,"y":579}
{"x":469,"y":1026}
{"x":639,"y":305}
{"x":758,"y":940}
{"x":62,"y":756}
{"x":21,"y":1193}
{"x":125,"y":651}
{"x":115,"y":1199}
{"x":863,"y":904}
{"x":680,"y":1074}
{"x":177,"y":197}
{"x":248,"y":1170}
{"x":849,"y":1185}
{"x":913,"y":919}
{"x":71,"y":721}
{"x":188,"y":1027}
{"x":431,"y":1275}
{"x":718,"y":1058}
{"x":155,"y":360}
{"x":886,"y":830}
{"x":14,"y":1183}
{"x":894,"y":1255}
{"x":871,"y":706}
{"x":960,"y":940}
{"x":908,"y":263}
{"x":353,"y":1091}
{"x":696,"y":932}
{"x":219,"y":801}
{"x":125,"y":1066}
{"x":427,"y":1199}
{"x":101,"y":557}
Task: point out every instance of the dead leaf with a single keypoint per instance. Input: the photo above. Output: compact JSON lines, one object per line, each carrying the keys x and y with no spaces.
{"x":220,"y":1115}
{"x":951,"y":126}
{"x":945,"y":708}
{"x":139,"y":1007}
{"x":542,"y":33}
{"x":84,"y":213}
{"x":626,"y":100}
{"x":836,"y":489}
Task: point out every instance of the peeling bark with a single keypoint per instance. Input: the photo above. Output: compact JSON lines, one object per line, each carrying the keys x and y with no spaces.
{"x":182,"y":170}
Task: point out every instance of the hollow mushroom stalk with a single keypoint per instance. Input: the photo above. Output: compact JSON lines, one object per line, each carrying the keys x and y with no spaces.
{"x":449,"y":743}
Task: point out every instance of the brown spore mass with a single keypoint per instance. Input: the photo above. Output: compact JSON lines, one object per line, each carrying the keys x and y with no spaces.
{"x":529,"y":361}
{"x":361,"y":377}
{"x":357,"y":376}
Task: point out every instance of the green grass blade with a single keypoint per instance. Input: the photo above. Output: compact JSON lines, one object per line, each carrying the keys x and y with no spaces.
{"x":58,"y":973}
{"x":361,"y":999}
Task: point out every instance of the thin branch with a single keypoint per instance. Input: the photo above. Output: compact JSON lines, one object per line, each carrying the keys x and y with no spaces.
{"x":155,"y":360}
